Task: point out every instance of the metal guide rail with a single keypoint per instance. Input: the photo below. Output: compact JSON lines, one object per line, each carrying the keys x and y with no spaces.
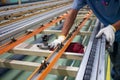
{"x":41,"y":72}
{"x":93,"y":63}
{"x":19,"y":28}
{"x":14,"y":42}
{"x":9,"y":7}
{"x":12,"y":14}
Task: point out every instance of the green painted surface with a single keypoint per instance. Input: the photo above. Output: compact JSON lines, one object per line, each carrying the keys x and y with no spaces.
{"x":86,"y":26}
{"x":23,"y":75}
{"x":15,"y":74}
{"x":6,"y":55}
{"x":54,"y":77}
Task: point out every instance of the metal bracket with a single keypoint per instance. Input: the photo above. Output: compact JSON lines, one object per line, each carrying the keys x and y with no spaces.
{"x":13,"y":39}
{"x":44,"y":64}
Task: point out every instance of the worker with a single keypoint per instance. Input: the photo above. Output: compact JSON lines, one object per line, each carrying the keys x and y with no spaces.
{"x":108,"y":12}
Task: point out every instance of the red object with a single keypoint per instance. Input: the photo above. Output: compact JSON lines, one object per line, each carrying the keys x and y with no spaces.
{"x":75,"y":47}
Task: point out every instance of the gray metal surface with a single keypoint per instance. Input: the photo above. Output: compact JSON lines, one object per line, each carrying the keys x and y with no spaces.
{"x":81,"y":71}
{"x":90,"y":68}
{"x":15,"y":28}
{"x":101,"y":68}
{"x":10,"y":12}
{"x":22,"y":5}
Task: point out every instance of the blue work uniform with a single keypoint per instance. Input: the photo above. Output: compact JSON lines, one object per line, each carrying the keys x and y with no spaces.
{"x":108,"y":12}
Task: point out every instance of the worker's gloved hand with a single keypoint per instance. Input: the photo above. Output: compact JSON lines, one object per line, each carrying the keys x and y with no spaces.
{"x":54,"y":44}
{"x":109,"y":33}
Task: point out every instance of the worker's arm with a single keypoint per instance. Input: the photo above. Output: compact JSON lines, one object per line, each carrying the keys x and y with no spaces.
{"x":69,"y":21}
{"x":66,"y":27}
{"x":117,"y":25}
{"x":77,"y":5}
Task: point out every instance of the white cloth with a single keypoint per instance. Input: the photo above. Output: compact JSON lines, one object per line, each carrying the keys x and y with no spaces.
{"x":57,"y":41}
{"x":109,"y":34}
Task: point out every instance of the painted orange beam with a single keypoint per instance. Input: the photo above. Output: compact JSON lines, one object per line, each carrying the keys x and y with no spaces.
{"x":6,"y":47}
{"x":49,"y":67}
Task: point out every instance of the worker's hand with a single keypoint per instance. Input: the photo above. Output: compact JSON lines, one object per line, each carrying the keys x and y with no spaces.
{"x":54,"y":44}
{"x":109,"y":33}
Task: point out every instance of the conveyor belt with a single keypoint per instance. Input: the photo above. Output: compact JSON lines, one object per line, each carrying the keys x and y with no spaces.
{"x":21,"y":57}
{"x":93,"y":63}
{"x":45,"y":67}
{"x":65,"y":72}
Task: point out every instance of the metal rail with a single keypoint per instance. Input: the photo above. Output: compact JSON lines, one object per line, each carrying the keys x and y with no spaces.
{"x":27,"y":14}
{"x":4,"y":8}
{"x":93,"y":63}
{"x":21,"y":11}
{"x":45,"y":67}
{"x":4,"y":48}
{"x":6,"y":32}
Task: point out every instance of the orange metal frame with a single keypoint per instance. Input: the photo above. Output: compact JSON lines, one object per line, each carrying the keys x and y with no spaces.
{"x":6,"y":47}
{"x":49,"y":67}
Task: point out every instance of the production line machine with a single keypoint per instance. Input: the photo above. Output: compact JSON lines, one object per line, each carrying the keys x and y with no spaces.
{"x":93,"y":62}
{"x":92,"y":66}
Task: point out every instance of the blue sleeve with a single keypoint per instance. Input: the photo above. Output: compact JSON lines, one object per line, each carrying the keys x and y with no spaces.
{"x":119,"y":2}
{"x":78,"y":4}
